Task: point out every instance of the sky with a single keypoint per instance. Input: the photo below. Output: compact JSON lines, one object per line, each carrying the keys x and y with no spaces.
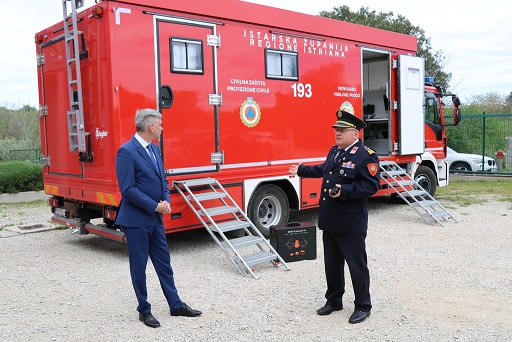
{"x":475,"y":37}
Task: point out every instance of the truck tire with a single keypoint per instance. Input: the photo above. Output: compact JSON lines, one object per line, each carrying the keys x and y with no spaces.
{"x":426,"y":178}
{"x":268,"y":207}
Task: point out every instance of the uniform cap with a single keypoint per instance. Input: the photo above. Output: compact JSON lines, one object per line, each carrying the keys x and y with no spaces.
{"x":347,"y":120}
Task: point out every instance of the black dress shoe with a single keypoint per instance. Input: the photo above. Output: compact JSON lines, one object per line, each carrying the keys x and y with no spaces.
{"x":149,"y":320}
{"x":328,"y":309}
{"x":358,"y":316}
{"x":186,"y":311}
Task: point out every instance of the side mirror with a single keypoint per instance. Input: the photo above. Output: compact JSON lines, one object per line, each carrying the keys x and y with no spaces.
{"x":457,"y":116}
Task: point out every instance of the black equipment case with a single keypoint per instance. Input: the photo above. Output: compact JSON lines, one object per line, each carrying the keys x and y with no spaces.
{"x":294,"y":241}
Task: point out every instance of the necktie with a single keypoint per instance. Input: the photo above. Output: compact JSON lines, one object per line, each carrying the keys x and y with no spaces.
{"x":152,"y":155}
{"x":338,"y":152}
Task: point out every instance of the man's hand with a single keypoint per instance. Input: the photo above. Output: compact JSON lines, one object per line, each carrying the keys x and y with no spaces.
{"x":336,"y":191}
{"x":163,"y":207}
{"x":293,"y":169}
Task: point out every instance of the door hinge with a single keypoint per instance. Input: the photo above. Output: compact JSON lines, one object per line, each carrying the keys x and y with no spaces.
{"x":46,"y":160}
{"x":40,"y":59}
{"x":394,"y":64}
{"x":215,"y":99}
{"x":217,"y":157}
{"x":213,"y":40}
{"x":395,"y":105}
{"x":43,"y":110}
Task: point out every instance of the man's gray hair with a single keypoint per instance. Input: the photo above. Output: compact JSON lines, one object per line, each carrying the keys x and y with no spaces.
{"x":145,"y":117}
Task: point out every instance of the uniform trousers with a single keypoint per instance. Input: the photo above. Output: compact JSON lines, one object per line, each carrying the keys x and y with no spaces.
{"x":349,"y":248}
{"x":151,"y":241}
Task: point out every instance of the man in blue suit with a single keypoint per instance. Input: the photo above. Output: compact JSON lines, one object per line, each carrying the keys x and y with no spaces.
{"x":350,"y":176}
{"x":145,"y":197}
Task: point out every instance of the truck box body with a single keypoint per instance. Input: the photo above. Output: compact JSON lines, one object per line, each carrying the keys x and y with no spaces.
{"x":245,"y":90}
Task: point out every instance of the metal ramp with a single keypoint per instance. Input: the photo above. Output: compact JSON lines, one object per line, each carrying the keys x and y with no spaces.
{"x":76,"y":129}
{"x":413,"y":194}
{"x":208,"y":199}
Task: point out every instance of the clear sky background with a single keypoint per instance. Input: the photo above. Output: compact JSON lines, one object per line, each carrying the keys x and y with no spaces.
{"x":475,"y":36}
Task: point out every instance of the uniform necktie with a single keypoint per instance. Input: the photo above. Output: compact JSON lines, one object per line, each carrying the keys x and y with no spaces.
{"x":152,"y":155}
{"x":338,"y":152}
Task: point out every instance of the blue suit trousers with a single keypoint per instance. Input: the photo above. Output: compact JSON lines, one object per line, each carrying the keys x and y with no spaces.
{"x":144,"y":242}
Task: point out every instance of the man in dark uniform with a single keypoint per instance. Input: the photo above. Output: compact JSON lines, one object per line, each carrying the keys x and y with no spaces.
{"x":350,"y":176}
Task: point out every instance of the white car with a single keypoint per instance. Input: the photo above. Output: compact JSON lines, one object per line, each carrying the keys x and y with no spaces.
{"x":469,"y":162}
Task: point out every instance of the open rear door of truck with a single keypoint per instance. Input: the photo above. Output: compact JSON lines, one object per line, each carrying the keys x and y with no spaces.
{"x":411,"y":72}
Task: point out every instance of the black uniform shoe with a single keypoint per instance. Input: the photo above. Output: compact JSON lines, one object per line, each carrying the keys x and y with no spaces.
{"x":149,"y":320}
{"x":358,"y":316}
{"x":186,"y":311}
{"x":328,"y":309}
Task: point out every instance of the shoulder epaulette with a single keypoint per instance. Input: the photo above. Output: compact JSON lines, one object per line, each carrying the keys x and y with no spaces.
{"x":369,"y":150}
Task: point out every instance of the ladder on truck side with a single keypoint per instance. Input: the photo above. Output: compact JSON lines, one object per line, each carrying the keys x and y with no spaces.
{"x":413,"y":194}
{"x":204,"y":196}
{"x":75,"y":115}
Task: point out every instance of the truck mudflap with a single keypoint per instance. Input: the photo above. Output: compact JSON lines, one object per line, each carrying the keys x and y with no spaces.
{"x":89,"y":228}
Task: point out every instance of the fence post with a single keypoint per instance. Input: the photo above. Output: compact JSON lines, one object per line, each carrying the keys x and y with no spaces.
{"x":508,"y":153}
{"x":483,"y":141}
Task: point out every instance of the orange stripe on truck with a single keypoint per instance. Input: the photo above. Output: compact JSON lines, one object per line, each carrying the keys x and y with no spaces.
{"x":106,"y":198}
{"x":51,"y":189}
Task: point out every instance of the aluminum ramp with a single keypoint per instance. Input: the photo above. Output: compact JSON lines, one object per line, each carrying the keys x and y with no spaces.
{"x":208,"y":199}
{"x":413,"y":194}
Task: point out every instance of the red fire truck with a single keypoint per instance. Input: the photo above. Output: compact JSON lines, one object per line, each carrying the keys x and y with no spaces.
{"x":245,"y":91}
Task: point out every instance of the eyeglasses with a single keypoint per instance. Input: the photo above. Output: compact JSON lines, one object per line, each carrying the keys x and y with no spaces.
{"x":344,"y":130}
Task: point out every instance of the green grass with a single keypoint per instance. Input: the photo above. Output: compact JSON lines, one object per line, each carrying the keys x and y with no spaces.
{"x":470,"y":191}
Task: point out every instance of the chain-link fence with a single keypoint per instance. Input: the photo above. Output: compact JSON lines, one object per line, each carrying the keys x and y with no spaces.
{"x":30,"y":155}
{"x":484,"y":135}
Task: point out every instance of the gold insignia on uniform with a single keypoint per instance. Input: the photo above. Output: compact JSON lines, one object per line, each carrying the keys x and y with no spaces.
{"x":372,"y":168}
{"x":369,"y":150}
{"x":342,"y":172}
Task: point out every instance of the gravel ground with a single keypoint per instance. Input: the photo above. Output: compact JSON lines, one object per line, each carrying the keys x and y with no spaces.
{"x":429,"y":283}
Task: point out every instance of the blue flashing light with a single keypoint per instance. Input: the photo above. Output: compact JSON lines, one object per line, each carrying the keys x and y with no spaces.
{"x":429,"y":79}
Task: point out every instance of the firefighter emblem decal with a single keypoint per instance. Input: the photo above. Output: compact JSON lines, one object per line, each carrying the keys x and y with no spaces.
{"x":347,"y":107}
{"x":372,"y":168}
{"x":250,"y":112}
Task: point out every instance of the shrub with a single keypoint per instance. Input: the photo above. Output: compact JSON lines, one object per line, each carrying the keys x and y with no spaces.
{"x":16,"y":176}
{"x":8,"y":144}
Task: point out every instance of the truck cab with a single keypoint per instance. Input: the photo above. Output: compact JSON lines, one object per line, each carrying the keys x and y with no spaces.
{"x":433,"y":159}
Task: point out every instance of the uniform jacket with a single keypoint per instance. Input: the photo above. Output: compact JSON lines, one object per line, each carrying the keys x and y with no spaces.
{"x":142,"y":185}
{"x":353,"y":171}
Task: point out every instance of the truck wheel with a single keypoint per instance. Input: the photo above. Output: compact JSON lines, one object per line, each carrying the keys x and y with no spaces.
{"x":426,"y":178}
{"x":267,"y":207}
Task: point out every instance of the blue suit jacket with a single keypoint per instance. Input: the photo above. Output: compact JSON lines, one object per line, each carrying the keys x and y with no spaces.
{"x":142,"y":185}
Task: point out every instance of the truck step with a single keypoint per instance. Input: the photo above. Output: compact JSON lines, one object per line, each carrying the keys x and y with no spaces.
{"x":244,"y":241}
{"x":215,"y":211}
{"x":196,"y":182}
{"x":259,"y":258}
{"x":230,"y":226}
{"x":208,"y":196}
{"x":415,"y":193}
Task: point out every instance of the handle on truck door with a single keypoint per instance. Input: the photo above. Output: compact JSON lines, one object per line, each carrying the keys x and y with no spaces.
{"x":166,"y":96}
